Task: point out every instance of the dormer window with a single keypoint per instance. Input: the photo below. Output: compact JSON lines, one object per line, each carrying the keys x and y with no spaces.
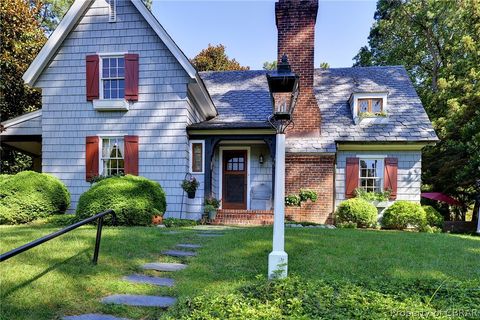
{"x":369,"y":107}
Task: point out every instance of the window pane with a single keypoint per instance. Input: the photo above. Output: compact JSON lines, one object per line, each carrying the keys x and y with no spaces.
{"x":197,"y":164}
{"x":377,"y":105}
{"x":363,"y":105}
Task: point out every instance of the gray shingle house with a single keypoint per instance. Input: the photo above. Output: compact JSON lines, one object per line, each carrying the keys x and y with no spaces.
{"x":119,"y":96}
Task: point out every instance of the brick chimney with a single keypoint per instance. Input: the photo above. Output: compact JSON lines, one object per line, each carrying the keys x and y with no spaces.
{"x":296,"y":35}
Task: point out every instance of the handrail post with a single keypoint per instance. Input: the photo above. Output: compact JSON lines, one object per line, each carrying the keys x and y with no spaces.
{"x":97,"y":241}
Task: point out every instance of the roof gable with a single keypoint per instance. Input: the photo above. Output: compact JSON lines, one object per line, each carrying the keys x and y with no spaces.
{"x":71,"y":18}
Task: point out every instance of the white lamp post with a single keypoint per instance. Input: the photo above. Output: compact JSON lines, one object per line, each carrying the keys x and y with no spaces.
{"x":284,"y":89}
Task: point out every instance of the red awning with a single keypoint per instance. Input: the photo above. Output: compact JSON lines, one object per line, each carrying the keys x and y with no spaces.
{"x":438,"y":196}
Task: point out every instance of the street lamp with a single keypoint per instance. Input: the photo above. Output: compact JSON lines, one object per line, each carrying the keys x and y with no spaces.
{"x":284,"y":89}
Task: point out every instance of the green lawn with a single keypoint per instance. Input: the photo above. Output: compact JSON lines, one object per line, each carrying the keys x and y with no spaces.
{"x":58,"y":278}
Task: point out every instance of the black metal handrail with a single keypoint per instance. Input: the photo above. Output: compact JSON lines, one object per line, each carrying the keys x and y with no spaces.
{"x":39,"y":241}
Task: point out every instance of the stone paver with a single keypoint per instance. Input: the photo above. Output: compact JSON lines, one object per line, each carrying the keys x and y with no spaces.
{"x":139,"y":278}
{"x":210,"y":234}
{"x":140,"y":301}
{"x":172,"y":232}
{"x":179,"y":253}
{"x":93,"y":316}
{"x":160,"y":266}
{"x":189,"y":245}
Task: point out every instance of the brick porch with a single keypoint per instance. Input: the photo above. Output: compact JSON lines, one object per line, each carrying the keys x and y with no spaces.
{"x":244,"y":217}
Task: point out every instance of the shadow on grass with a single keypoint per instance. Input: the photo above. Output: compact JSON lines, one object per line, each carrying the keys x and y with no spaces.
{"x":55,"y":267}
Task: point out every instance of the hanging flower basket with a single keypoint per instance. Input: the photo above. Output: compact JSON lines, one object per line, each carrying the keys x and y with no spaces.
{"x":190,"y":187}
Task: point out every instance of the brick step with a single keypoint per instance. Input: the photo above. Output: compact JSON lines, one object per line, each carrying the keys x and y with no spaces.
{"x":243,"y":217}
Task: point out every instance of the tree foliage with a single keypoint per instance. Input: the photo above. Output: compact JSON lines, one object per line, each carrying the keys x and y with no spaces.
{"x":214,"y":58}
{"x":20,"y":40}
{"x":267,"y":65}
{"x":438,"y":42}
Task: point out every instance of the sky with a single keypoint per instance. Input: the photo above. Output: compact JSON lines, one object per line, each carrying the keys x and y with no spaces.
{"x":247,"y":28}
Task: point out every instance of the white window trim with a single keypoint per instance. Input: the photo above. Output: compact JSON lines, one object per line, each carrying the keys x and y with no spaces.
{"x":369,"y":95}
{"x":100,"y":149}
{"x":190,"y":152}
{"x":102,"y":104}
{"x":220,"y":173}
{"x":100,"y":74}
{"x":381,"y":160}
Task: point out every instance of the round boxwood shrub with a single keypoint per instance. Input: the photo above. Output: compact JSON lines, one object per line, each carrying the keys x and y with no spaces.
{"x":434,"y":218}
{"x":135,"y":200}
{"x":29,"y":195}
{"x":356,"y":211}
{"x":403,"y":214}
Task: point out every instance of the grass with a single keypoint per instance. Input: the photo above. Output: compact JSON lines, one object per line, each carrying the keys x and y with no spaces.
{"x":57,"y":278}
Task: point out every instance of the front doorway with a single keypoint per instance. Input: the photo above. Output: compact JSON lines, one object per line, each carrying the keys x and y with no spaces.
{"x":234,"y":179}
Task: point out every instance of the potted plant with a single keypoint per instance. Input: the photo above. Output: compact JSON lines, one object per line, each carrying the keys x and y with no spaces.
{"x":190,"y":186}
{"x":211,"y":206}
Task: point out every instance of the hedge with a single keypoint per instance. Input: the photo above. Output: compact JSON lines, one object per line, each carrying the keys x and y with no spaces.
{"x":403,"y":214}
{"x":30,"y":195}
{"x":434,"y":218}
{"x":135,"y":200}
{"x":356,"y":211}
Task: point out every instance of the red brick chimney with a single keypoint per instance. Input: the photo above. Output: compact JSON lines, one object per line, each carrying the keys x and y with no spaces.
{"x":296,"y":35}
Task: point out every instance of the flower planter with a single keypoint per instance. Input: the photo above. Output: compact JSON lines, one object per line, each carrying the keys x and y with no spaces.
{"x":191,"y":195}
{"x":156,"y":220}
{"x":212,"y":215}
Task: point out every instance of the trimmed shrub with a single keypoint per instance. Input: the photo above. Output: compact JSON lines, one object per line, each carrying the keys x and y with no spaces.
{"x":434,"y":218}
{"x":356,"y":211}
{"x":29,"y":195}
{"x":403,"y":214}
{"x":135,"y":200}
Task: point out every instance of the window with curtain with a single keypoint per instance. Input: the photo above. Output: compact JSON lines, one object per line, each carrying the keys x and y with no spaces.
{"x":113,"y":156}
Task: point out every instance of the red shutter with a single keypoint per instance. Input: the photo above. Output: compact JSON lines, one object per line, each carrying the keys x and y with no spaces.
{"x":92,"y":73}
{"x":131,"y":155}
{"x":91,"y":157}
{"x":351,"y":177}
{"x":391,"y":168}
{"x":131,"y":77}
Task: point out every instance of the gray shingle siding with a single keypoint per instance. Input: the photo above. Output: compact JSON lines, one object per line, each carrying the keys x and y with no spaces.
{"x":159,"y":117}
{"x":408,"y":175}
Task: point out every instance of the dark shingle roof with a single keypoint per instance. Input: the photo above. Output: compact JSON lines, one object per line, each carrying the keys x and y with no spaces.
{"x":242,"y":100}
{"x":241,"y":97}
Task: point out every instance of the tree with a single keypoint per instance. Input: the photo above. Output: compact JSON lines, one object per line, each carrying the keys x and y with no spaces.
{"x":270,"y":65}
{"x":214,"y":58}
{"x":20,"y":40}
{"x":438,"y":42}
{"x":324,"y":65}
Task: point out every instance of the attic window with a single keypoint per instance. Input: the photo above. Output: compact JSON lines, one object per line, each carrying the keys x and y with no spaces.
{"x":372,"y":106}
{"x":112,"y":10}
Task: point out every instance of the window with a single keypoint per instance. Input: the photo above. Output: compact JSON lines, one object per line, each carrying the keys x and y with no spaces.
{"x":196,"y":163}
{"x":371,"y":175}
{"x":235,"y":164}
{"x":113,"y":78}
{"x":112,"y":157}
{"x":373,"y":105}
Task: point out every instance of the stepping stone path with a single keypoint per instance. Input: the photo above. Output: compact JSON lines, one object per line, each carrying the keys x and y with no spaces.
{"x":93,"y":316}
{"x":139,"y":278}
{"x":210,"y":234}
{"x":179,"y":253}
{"x":140,"y":301}
{"x":188,"y":246}
{"x":146,"y":300}
{"x":158,"y":266}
